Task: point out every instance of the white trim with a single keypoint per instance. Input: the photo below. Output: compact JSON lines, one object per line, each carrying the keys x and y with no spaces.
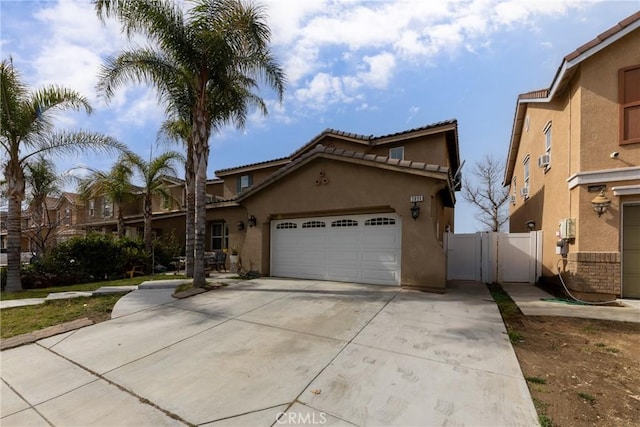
{"x":568,"y":65}
{"x":604,"y":175}
{"x":626,"y":190}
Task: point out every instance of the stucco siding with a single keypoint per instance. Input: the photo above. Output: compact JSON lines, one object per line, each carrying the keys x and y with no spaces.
{"x":354,"y":189}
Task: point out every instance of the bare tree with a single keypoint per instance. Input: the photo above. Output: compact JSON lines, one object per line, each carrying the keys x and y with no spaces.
{"x":487,"y":193}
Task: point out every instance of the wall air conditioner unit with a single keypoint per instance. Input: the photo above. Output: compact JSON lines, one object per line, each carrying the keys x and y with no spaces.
{"x":544,"y":160}
{"x":524,"y":192}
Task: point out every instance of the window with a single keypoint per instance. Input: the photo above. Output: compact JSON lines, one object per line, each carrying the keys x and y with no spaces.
{"x":396,"y":153}
{"x":92,"y":208}
{"x":547,"y":137}
{"x":286,"y":225}
{"x":525,"y":186}
{"x":629,"y":98}
{"x":245,"y":181}
{"x":313,"y":224}
{"x":380,"y":221}
{"x":107,"y":209}
{"x":166,"y":201}
{"x":344,"y":223}
{"x":67,"y":216}
{"x":219,"y":235}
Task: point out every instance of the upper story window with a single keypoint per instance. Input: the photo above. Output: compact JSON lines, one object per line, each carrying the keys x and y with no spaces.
{"x":524,"y":191}
{"x":107,"y":209}
{"x":166,"y":201}
{"x":629,"y":98}
{"x":547,"y":137}
{"x":544,"y":161}
{"x":244,"y":181}
{"x":396,"y":153}
{"x":92,"y":208}
{"x":67,"y":216}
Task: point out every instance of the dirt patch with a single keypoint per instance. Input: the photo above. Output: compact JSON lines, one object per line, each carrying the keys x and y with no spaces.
{"x":581,"y":372}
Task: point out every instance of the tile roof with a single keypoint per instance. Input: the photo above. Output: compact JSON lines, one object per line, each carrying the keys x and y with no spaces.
{"x":250,"y":165}
{"x":320,"y":150}
{"x":565,"y":72}
{"x":603,"y":36}
{"x":367,"y":139}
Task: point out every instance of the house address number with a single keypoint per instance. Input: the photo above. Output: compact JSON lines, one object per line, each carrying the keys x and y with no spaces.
{"x":414,"y":199}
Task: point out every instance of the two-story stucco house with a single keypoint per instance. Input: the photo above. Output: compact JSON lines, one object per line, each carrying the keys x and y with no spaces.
{"x":573,"y":166}
{"x":344,"y":207}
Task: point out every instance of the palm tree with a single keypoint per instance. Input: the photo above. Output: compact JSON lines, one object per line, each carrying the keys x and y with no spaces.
{"x":27,"y":130}
{"x":205,"y":64}
{"x":178,"y":130}
{"x":43,"y":184}
{"x":114,"y":185}
{"x":153,"y":173}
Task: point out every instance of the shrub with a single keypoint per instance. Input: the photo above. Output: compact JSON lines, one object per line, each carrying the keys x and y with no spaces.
{"x":166,"y":248}
{"x":84,"y":259}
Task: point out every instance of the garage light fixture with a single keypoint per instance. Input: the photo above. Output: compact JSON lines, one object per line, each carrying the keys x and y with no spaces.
{"x":252,"y":221}
{"x":601,"y":203}
{"x":240,"y":225}
{"x":415,"y":211}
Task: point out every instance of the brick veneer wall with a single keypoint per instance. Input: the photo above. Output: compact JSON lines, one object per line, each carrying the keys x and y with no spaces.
{"x":594,"y":272}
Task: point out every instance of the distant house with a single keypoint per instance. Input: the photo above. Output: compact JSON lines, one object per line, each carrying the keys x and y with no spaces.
{"x":575,"y":146}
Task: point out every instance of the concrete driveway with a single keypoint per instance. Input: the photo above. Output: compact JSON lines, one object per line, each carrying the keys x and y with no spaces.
{"x":277,"y":352}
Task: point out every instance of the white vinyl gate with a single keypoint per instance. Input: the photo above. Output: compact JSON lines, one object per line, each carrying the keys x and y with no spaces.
{"x":494,"y":257}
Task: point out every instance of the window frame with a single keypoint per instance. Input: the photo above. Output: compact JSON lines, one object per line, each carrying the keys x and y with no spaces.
{"x":623,"y":106}
{"x":92,"y":208}
{"x":396,"y":150}
{"x":526,"y":171}
{"x":107,"y":208}
{"x":240,"y":187}
{"x":223,"y":236}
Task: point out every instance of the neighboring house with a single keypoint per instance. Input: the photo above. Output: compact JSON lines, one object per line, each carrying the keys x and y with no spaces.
{"x":69,"y":216}
{"x":573,"y":142}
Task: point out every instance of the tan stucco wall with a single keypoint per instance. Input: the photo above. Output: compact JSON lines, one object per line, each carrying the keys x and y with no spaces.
{"x":230,"y":184}
{"x":585,"y":126}
{"x":600,"y":110}
{"x":431,"y":149}
{"x":353,"y":189}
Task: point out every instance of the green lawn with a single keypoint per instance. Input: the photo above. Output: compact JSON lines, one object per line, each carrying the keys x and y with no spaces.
{"x":22,"y":320}
{"x":43,"y":292}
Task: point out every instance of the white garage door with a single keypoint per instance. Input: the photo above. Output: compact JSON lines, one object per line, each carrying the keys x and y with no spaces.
{"x":352,"y":248}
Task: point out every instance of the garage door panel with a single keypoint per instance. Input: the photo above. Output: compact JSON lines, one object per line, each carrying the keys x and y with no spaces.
{"x":341,"y":250}
{"x":379,"y":276}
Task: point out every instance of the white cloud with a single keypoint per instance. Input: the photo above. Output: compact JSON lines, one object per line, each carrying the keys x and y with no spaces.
{"x":386,"y":35}
{"x":381,"y":68}
{"x":323,"y":90}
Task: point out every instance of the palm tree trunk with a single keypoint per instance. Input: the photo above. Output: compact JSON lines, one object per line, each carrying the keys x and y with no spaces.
{"x":15,"y":185}
{"x":147,"y":225}
{"x":201,"y":157}
{"x":190,"y":205}
{"x":120,"y":223}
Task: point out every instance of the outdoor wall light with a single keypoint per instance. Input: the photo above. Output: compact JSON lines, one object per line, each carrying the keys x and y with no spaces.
{"x":415,"y":211}
{"x":531,"y":225}
{"x":601,"y":203}
{"x":240,"y":225}
{"x":251,"y":221}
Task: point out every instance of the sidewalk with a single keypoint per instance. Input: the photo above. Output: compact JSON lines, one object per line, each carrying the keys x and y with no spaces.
{"x":530,"y":300}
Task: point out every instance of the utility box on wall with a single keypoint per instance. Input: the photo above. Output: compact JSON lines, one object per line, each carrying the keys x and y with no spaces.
{"x":568,"y":228}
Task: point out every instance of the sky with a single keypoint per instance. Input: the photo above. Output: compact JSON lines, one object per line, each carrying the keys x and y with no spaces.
{"x":366,"y":67}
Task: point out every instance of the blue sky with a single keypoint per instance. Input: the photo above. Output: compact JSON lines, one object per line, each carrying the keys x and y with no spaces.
{"x":367,"y":67}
